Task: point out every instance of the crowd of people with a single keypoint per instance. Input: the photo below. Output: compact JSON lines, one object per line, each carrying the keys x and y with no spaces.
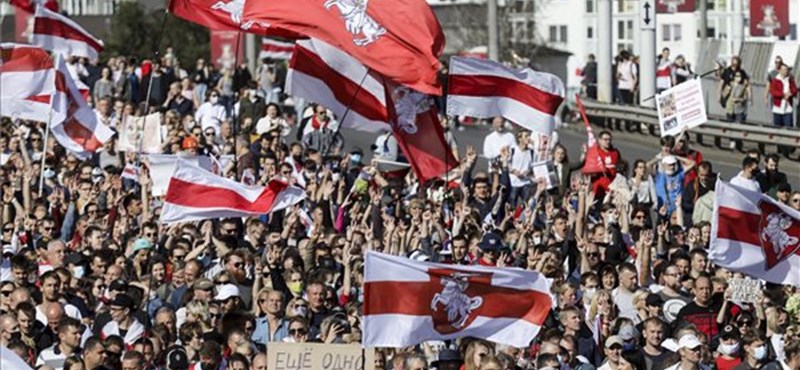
{"x":92,"y":281}
{"x":734,"y":91}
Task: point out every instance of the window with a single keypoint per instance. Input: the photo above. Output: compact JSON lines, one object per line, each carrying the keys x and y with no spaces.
{"x":590,"y":6}
{"x":666,"y":34}
{"x":530,"y":30}
{"x":630,"y":30}
{"x":553,"y":34}
{"x":589,"y":32}
{"x":676,"y":32}
{"x":621,"y":30}
{"x":563,"y":34}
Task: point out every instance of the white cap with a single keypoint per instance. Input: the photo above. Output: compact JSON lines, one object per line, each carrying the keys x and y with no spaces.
{"x":670,"y":159}
{"x":227,"y":291}
{"x":689,"y":341}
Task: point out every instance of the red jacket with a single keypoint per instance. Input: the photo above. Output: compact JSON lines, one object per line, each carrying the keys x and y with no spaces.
{"x":776,"y":90}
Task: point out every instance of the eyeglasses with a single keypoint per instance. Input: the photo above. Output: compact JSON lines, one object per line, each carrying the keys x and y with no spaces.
{"x":640,"y":217}
{"x":48,"y":228}
{"x":298,"y":331}
{"x":209,"y":134}
{"x":592,"y":254}
{"x":229,"y":231}
{"x":796,"y":200}
{"x":215,"y":315}
{"x":36,"y":139}
{"x":222,"y":282}
{"x":8,"y":230}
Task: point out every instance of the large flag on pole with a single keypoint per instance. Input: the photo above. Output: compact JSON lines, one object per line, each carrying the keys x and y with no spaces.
{"x":399,"y":39}
{"x":754,"y":234}
{"x":407,"y":302}
{"x":326,"y":75}
{"x":225,"y":15}
{"x":593,"y":162}
{"x":418,"y":131}
{"x":74,"y":123}
{"x":196,"y":194}
{"x":484,"y":88}
{"x":59,"y":34}
{"x":27,"y":81}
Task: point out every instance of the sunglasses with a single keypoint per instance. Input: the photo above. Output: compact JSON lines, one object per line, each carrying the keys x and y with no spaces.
{"x":592,"y":254}
{"x":222,"y":282}
{"x":8,"y":230}
{"x":298,"y":331}
{"x":6,"y":293}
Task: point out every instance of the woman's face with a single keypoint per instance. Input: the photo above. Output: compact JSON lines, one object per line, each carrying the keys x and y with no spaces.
{"x":559,"y":155}
{"x":609,"y":280}
{"x":272,"y":111}
{"x":639,"y":169}
{"x":99,"y":288}
{"x":481,"y":351}
{"x":623,"y":364}
{"x":604,"y":305}
{"x":197,"y":338}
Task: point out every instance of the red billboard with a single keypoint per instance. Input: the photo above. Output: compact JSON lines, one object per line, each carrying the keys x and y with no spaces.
{"x":769,"y":18}
{"x":223,"y":48}
{"x":674,"y":6}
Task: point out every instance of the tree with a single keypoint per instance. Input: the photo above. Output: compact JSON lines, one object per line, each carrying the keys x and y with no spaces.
{"x":136,"y":33}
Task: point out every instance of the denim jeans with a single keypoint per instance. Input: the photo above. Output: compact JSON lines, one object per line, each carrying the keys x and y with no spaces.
{"x":782,"y":120}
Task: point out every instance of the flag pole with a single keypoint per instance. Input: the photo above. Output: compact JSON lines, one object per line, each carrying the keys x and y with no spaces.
{"x":156,"y":53}
{"x":347,"y":110}
{"x":234,"y":115}
{"x":47,"y":129}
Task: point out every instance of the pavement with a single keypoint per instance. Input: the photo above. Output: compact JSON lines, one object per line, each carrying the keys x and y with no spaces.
{"x":631,"y":146}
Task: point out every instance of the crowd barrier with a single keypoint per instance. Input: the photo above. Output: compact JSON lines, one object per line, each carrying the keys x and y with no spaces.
{"x":717,"y":133}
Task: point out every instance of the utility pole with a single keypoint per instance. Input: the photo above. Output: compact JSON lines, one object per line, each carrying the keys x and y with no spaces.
{"x":647,"y":58}
{"x":738,"y":26}
{"x":703,"y":19}
{"x":604,"y":46}
{"x":250,"y":51}
{"x":491,"y":24}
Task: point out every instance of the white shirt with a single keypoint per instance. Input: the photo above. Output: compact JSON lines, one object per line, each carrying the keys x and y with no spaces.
{"x":496,"y":141}
{"x":521,"y":162}
{"x":210,"y":115}
{"x":624,"y":302}
{"x":749,"y":184}
{"x":69,"y":309}
{"x":627,"y":75}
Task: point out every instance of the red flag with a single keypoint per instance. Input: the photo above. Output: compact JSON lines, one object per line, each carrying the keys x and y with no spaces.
{"x":415,"y":124}
{"x":221,"y":15}
{"x":593,"y":162}
{"x":407,"y":302}
{"x":399,"y":39}
{"x":769,"y":18}
{"x":30,"y":5}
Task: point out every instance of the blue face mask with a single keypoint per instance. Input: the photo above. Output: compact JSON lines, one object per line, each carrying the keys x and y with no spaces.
{"x":628,"y":346}
{"x":355,"y":158}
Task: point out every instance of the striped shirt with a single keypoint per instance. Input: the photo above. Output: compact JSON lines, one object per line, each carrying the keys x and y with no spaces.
{"x":53,"y":357}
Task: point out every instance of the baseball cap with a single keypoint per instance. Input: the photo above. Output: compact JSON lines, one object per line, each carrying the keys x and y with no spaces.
{"x":118,"y":285}
{"x":654,"y":300}
{"x":226,"y":292}
{"x":670,"y":159}
{"x":419,"y":255}
{"x":614,"y":339}
{"x":123,"y":300}
{"x":491,"y":242}
{"x":140,"y":244}
{"x":689,"y":341}
{"x":729,"y":332}
{"x":628,"y":332}
{"x":202,"y":284}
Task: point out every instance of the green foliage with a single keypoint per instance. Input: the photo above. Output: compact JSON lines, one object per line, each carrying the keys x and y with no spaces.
{"x":136,"y":33}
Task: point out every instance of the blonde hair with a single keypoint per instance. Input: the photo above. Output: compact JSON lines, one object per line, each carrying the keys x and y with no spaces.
{"x":256,"y":310}
{"x":289,"y":306}
{"x":490,"y":360}
{"x":594,"y":306}
{"x":469,"y":354}
{"x":199,"y":308}
{"x":639,"y":296}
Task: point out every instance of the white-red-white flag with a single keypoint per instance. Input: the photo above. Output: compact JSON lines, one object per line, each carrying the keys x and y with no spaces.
{"x":484,"y":88}
{"x":753,"y":234}
{"x":407,"y":302}
{"x":326,"y":75}
{"x":274,"y":49}
{"x":27,"y":81}
{"x":74,"y":123}
{"x":196,"y":194}
{"x":59,"y":34}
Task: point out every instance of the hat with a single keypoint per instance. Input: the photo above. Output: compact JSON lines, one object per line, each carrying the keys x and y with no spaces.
{"x":97,"y":172}
{"x":628,"y":332}
{"x":654,"y":300}
{"x":177,"y":359}
{"x":227,"y":291}
{"x":356,"y":150}
{"x":9,"y":249}
{"x":670,"y":159}
{"x":689,"y":341}
{"x":491,"y":241}
{"x":419,"y":255}
{"x":729,"y":332}
{"x":202,"y":284}
{"x":190,"y":143}
{"x":141,"y":243}
{"x":448,"y":355}
{"x":118,"y":285}
{"x":123,"y":300}
{"x":612,"y":340}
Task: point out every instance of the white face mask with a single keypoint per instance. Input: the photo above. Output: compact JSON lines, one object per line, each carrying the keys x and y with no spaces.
{"x":589,"y":293}
{"x":728,"y":349}
{"x":760,"y":353}
{"x":301,"y":311}
{"x":213,"y":99}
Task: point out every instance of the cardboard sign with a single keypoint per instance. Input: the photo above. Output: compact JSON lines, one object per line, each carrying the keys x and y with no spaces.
{"x":681,"y":107}
{"x":140,"y":134}
{"x":546,"y":171}
{"x":745,"y":290}
{"x":317,"y":356}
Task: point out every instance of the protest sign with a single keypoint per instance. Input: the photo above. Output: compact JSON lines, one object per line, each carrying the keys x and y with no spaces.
{"x":140,"y":134}
{"x":745,"y":290}
{"x":316,"y":356}
{"x":681,"y":108}
{"x":546,"y":171}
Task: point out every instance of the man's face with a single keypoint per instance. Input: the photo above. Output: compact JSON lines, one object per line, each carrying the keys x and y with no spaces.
{"x":131,"y":365}
{"x":498,"y":124}
{"x":96,"y":355}
{"x":691,"y":355}
{"x":71,"y":337}
{"x":614,"y":352}
{"x":482,"y":190}
{"x":274,"y":303}
{"x":560,"y":227}
{"x":316,"y":298}
{"x":772,"y":165}
{"x":654,"y":335}
{"x":259,"y":363}
{"x":150,"y":234}
{"x":47,"y":229}
{"x":628,"y":280}
{"x":702,"y":290}
{"x":190,"y":273}
{"x":459,"y":249}
{"x":572,"y":321}
{"x":118,"y":313}
{"x":672,"y":277}
{"x":417,"y":364}
{"x":699,"y":262}
{"x":51,"y":289}
{"x":605,"y":141}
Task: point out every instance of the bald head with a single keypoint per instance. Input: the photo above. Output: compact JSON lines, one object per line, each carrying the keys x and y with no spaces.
{"x":54,"y":314}
{"x":18,"y":296}
{"x":551,"y":348}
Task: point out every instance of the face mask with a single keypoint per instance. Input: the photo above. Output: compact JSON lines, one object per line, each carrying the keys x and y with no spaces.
{"x":537,"y":239}
{"x":213,"y":100}
{"x":49,"y":173}
{"x":295,"y":287}
{"x":301,"y":311}
{"x":628,"y":346}
{"x":355,"y":158}
{"x":77,"y":272}
{"x":589,"y":293}
{"x":728,"y":349}
{"x":760,"y":353}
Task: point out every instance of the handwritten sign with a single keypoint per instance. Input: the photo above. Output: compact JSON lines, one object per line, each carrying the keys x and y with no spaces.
{"x":745,"y":290}
{"x":681,"y":107}
{"x":316,"y":356}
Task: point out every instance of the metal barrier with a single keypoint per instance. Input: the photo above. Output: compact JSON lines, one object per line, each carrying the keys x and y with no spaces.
{"x":714,"y":132}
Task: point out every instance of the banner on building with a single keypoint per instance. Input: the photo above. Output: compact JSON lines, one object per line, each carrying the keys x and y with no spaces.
{"x":769,"y":18}
{"x":224,"y":48}
{"x":681,"y":108}
{"x":675,"y":6}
